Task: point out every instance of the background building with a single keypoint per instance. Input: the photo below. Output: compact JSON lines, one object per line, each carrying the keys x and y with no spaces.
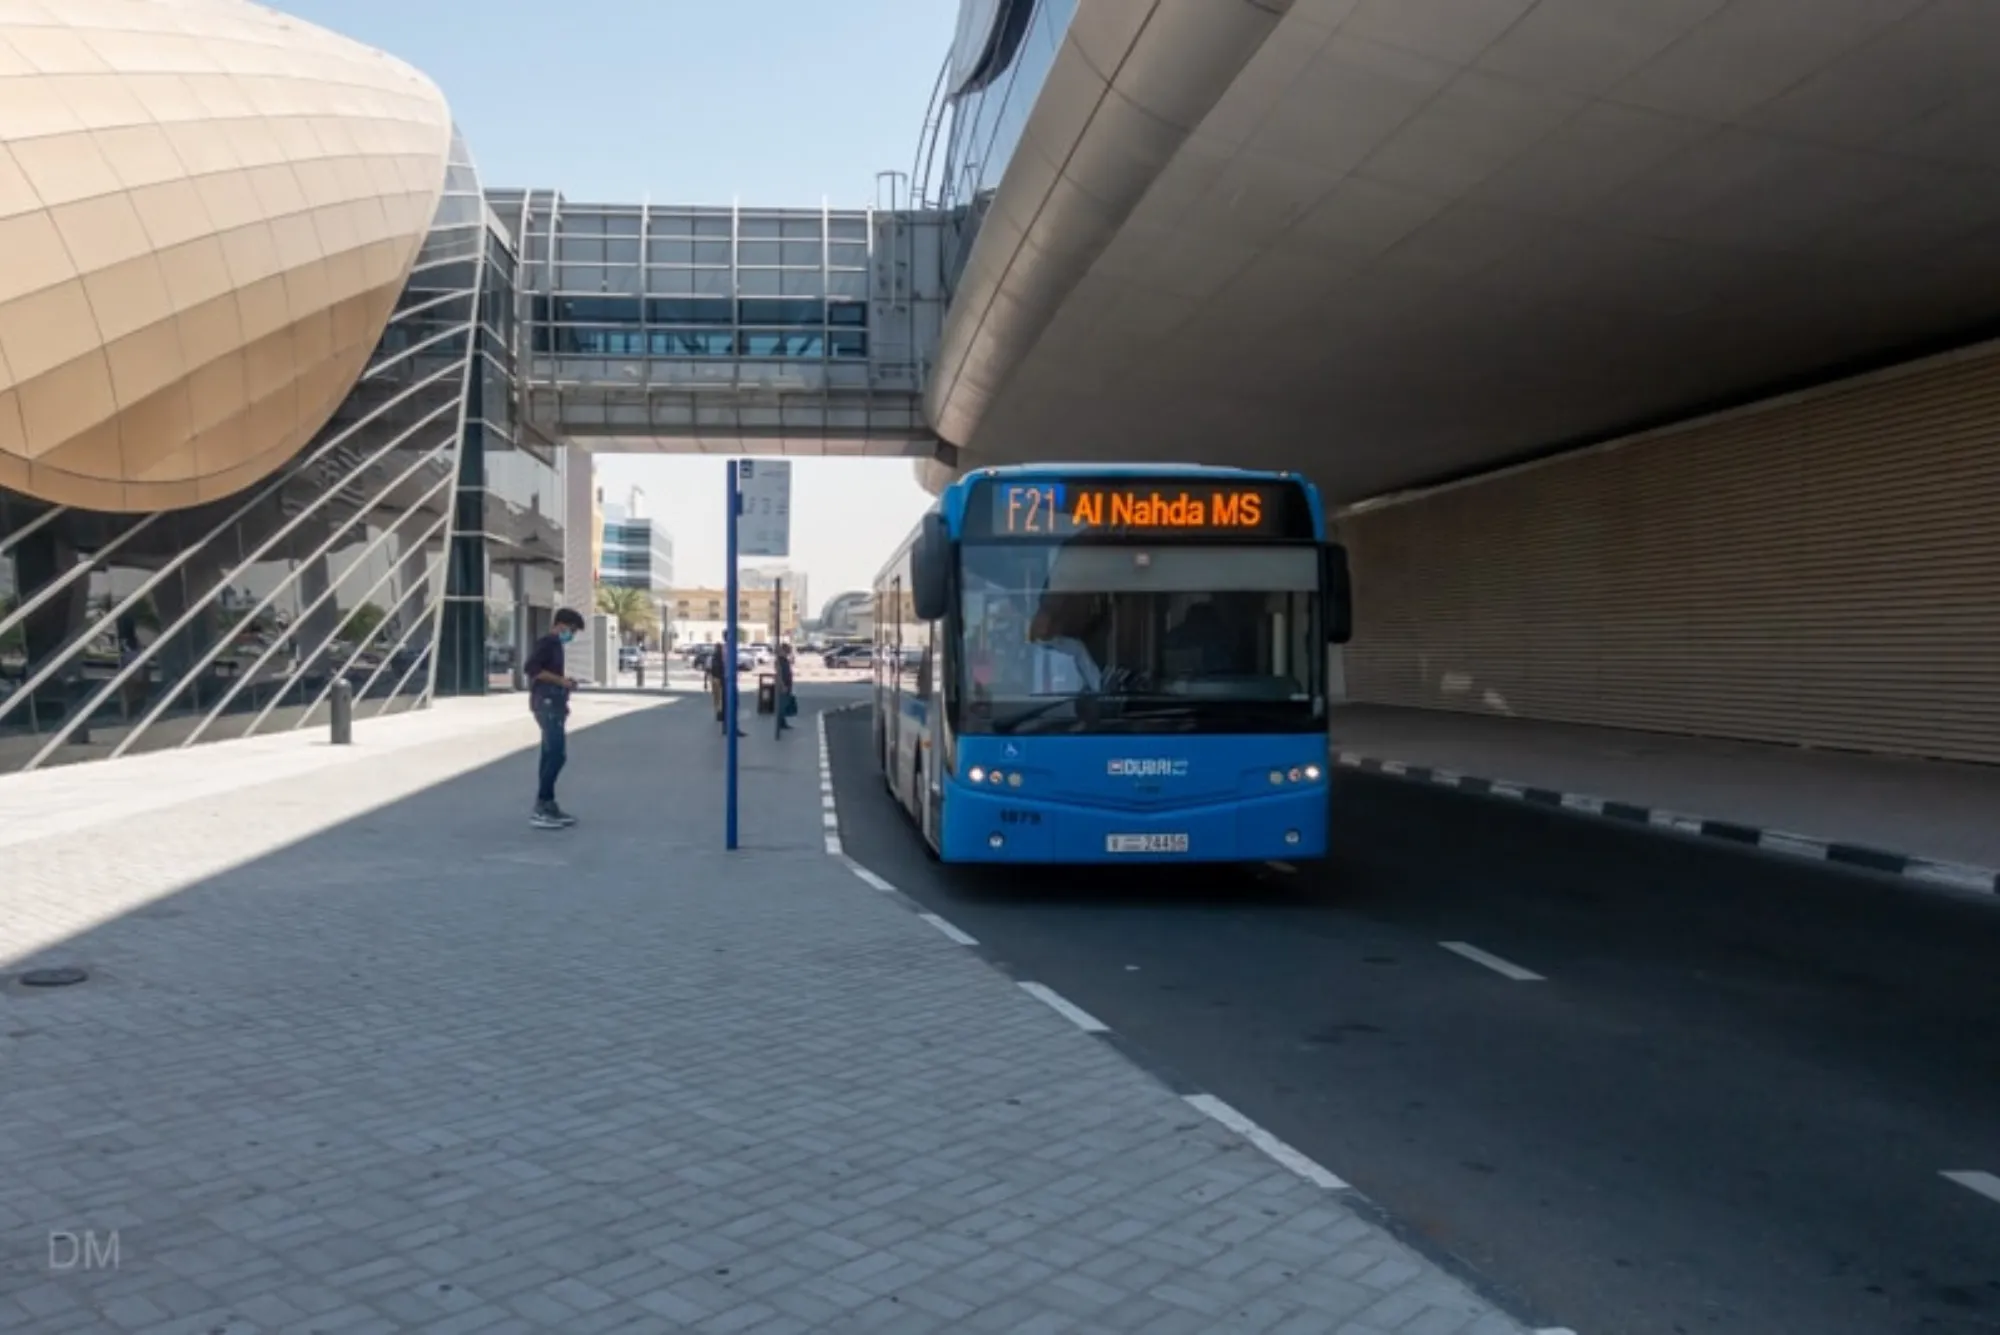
{"x":265,"y":442}
{"x":700,"y":615}
{"x":638,"y":552}
{"x":793,"y":582}
{"x":849,"y":615}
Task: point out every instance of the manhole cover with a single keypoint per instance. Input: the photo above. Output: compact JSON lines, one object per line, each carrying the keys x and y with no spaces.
{"x":61,"y":977}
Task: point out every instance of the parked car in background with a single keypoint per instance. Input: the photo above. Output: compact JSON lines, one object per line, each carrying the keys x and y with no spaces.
{"x":698,"y":657}
{"x":847,"y":656}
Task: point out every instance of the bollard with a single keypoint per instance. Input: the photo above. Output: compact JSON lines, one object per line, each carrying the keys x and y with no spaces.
{"x":343,"y":712}
{"x":641,"y":670}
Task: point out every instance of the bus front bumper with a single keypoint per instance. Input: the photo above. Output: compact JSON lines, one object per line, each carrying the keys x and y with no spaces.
{"x":983,"y":826}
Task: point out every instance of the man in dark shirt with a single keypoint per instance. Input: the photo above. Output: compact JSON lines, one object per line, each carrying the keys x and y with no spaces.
{"x":548,"y":699}
{"x":711,"y":673}
{"x":718,"y":685}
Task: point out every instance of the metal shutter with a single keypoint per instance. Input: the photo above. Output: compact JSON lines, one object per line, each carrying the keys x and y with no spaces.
{"x":1822,"y":570}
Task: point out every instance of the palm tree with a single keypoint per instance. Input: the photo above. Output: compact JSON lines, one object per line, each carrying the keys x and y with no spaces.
{"x":633,"y":607}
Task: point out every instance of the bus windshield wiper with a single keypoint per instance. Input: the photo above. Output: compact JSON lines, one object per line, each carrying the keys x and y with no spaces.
{"x":1013,"y":721}
{"x":1154,"y":707}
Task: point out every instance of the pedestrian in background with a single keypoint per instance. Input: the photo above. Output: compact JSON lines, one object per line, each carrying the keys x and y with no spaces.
{"x":718,"y":684}
{"x":786,"y":704}
{"x":549,"y":689}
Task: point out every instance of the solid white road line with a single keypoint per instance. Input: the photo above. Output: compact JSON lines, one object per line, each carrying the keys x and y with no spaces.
{"x":1986,"y":1184}
{"x":947,"y":929}
{"x":1278,"y":1150}
{"x":1076,"y":1015}
{"x":1493,"y":962}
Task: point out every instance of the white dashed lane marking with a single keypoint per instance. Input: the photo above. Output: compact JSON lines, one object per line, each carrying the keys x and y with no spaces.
{"x":1075,"y":1014}
{"x":1286,"y":1156}
{"x":948,"y":929}
{"x":870,"y":878}
{"x":1505,"y":968}
{"x":1277,"y":1150}
{"x":1986,"y":1184}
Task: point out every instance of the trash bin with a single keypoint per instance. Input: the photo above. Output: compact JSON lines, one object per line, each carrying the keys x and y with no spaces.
{"x":767,"y":693}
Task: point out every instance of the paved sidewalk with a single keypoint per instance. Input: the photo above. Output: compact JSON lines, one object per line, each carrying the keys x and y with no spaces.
{"x":41,"y":803}
{"x":1928,"y":821}
{"x":362,"y":1051}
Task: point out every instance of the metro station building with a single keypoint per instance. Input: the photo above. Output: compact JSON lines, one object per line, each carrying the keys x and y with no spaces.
{"x":1649,"y":360}
{"x":1647,"y":350}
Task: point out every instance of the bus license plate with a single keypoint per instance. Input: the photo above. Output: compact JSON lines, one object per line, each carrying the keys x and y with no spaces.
{"x":1145,"y":843}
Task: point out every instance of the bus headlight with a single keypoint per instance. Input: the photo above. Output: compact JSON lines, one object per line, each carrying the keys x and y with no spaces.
{"x":1297,"y":774}
{"x":976,"y":774}
{"x":1312,"y":773}
{"x":1014,"y":779}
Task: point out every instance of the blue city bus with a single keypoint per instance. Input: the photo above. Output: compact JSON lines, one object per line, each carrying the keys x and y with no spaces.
{"x":1112,"y":664}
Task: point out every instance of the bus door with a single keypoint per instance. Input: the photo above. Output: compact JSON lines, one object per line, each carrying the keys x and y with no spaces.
{"x":894,"y":667}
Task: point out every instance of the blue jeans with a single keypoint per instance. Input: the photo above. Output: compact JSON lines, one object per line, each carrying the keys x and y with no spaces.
{"x":555,"y":751}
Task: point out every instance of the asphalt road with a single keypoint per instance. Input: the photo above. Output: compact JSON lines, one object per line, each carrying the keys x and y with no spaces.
{"x":1726,"y":1106}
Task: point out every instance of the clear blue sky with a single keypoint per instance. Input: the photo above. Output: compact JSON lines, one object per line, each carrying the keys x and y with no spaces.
{"x":772,"y":102}
{"x":697,"y":101}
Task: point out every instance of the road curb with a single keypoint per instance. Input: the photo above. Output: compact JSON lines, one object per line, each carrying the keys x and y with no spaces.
{"x":1928,"y":872}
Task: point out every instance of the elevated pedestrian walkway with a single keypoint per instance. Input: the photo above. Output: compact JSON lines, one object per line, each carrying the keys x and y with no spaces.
{"x":360,"y":1050}
{"x":1928,"y":822}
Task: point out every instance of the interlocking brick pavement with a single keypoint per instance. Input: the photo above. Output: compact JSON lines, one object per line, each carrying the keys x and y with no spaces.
{"x":361,"y":1051}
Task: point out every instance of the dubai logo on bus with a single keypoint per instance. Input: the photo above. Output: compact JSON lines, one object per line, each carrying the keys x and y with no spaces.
{"x":1147,"y":768}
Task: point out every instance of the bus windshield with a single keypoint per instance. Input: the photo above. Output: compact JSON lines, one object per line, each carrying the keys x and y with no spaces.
{"x":1094,"y":637}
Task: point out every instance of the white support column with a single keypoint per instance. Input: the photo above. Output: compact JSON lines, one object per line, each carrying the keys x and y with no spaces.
{"x":578,"y":585}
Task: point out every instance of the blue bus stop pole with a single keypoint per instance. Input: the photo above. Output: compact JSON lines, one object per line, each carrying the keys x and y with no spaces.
{"x":729,"y":660}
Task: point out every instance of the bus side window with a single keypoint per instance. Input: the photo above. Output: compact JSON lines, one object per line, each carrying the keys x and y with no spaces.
{"x":909,"y":656}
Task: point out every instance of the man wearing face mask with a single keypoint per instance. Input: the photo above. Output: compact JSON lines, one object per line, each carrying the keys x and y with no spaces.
{"x":548,"y":698}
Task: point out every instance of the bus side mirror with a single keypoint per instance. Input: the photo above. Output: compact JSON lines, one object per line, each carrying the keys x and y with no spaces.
{"x":930,"y":569}
{"x":1338,"y":590}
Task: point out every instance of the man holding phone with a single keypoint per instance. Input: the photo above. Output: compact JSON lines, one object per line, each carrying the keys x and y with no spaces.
{"x":548,"y":700}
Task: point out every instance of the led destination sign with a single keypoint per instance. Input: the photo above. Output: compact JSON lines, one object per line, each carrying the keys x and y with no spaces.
{"x":1137,"y":507}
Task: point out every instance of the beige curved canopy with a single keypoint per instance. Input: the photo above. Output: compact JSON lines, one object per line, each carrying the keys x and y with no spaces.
{"x":207,"y":212}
